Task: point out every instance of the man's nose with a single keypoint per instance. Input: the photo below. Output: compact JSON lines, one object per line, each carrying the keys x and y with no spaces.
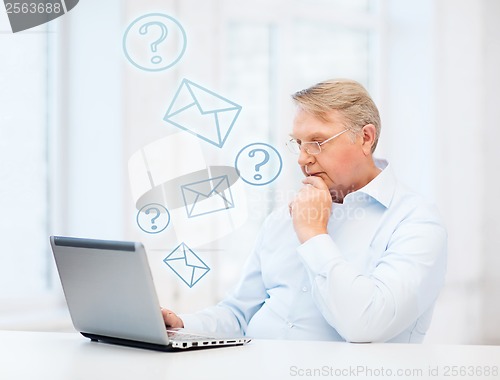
{"x":304,"y":157}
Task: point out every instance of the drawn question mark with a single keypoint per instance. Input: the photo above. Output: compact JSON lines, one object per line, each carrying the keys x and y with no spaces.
{"x":252,"y":153}
{"x":144,"y":29}
{"x":153,"y":220}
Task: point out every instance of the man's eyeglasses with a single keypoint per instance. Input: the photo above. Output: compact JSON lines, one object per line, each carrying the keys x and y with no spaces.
{"x":311,"y":147}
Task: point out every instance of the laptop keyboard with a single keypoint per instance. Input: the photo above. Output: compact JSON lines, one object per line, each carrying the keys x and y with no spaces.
{"x":186,"y":336}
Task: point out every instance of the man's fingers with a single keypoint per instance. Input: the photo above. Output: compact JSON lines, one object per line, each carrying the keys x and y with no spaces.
{"x":317,"y":182}
{"x":171,"y":319}
{"x":167,"y":314}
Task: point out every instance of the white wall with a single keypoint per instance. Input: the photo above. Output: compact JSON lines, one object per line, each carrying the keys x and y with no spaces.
{"x":490,"y":305}
{"x":467,"y":81}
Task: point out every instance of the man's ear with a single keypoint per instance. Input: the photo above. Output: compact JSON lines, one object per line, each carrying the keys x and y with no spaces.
{"x":369,"y":133}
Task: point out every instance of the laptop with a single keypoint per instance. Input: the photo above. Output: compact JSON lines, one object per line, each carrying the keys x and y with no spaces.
{"x":111,"y":296}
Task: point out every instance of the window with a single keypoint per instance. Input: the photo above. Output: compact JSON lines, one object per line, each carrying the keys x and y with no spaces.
{"x":27,"y":145}
{"x":24,"y":193}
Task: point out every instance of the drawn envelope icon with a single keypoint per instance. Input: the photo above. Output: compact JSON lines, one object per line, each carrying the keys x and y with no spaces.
{"x":207,"y":196}
{"x":202,"y":112}
{"x":186,"y":264}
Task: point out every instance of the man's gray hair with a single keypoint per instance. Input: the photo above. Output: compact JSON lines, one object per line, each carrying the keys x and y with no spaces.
{"x":346,"y":96}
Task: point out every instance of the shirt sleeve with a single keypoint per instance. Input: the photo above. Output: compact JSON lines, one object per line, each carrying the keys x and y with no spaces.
{"x":232,"y":315}
{"x":403,"y":284}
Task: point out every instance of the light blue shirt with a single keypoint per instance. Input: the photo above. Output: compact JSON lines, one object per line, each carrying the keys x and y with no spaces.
{"x":373,"y":278}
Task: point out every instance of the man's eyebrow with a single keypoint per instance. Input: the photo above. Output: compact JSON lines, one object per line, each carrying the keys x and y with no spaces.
{"x":315,"y":136}
{"x":319,"y":136}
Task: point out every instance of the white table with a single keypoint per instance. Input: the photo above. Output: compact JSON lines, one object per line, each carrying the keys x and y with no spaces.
{"x":69,"y":356}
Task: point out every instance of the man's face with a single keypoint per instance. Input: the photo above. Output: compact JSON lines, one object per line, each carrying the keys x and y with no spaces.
{"x":341,"y":160}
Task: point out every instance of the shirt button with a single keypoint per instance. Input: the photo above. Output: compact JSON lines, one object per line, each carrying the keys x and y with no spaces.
{"x":290,"y":324}
{"x":304,"y":289}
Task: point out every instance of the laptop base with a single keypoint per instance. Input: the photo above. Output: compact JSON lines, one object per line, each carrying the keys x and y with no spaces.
{"x":128,"y":342}
{"x":151,"y":346}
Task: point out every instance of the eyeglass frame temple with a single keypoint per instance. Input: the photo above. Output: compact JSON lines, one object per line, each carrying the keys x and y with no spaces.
{"x":331,"y":138}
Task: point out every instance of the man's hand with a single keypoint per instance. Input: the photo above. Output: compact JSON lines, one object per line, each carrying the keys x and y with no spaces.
{"x":171,"y":319}
{"x":311,"y":208}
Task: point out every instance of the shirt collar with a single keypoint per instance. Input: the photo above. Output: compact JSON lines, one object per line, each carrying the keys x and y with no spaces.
{"x":381,"y":188}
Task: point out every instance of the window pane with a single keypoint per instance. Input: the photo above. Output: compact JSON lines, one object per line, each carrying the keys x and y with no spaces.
{"x":249,"y":63}
{"x":347,"y":5}
{"x":23,"y":164}
{"x":248,"y":72}
{"x":325,"y":51}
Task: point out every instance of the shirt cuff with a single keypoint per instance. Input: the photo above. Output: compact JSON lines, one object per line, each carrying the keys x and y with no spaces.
{"x":192,"y":322}
{"x":319,"y":253}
